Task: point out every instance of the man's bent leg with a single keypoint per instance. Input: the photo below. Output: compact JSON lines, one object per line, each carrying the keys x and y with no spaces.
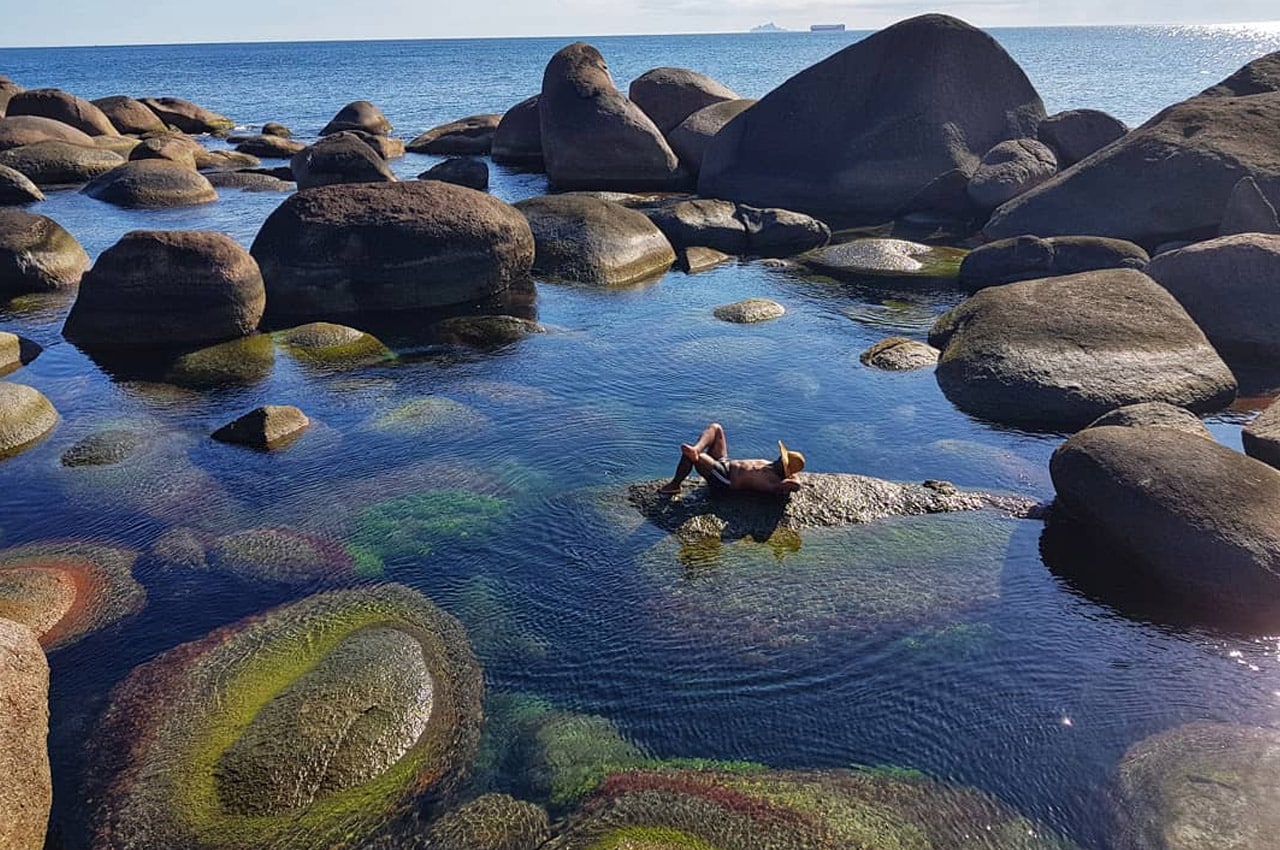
{"x":713,"y":442}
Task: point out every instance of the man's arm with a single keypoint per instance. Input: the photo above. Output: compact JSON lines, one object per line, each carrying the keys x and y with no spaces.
{"x":786,"y":485}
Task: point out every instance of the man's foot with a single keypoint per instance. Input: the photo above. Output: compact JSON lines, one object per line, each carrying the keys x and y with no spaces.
{"x":669,"y":490}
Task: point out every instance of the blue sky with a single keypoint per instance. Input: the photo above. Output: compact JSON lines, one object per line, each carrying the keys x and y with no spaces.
{"x":60,"y":22}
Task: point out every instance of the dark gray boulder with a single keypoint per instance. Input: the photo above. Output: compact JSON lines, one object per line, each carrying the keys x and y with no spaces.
{"x":468,"y":137}
{"x":21,"y":130}
{"x":1201,"y":786}
{"x":891,"y":125}
{"x":1168,"y":180}
{"x":737,"y":228}
{"x":16,"y":188}
{"x":174,"y":147}
{"x":186,"y":116}
{"x":270,"y":147}
{"x":167,"y":288}
{"x":593,"y":137}
{"x":1059,"y":352}
{"x":518,"y":137}
{"x":37,"y":254}
{"x":61,"y":106}
{"x":1260,"y":76}
{"x":1231,"y":288}
{"x":1030,"y":257}
{"x":670,"y":95}
{"x":338,"y":250}
{"x":269,"y":427}
{"x":1248,"y":211}
{"x":689,"y":140}
{"x":129,"y":116}
{"x":8,"y":88}
{"x":1008,"y":170}
{"x":466,"y":171}
{"x":54,"y":163}
{"x":358,"y":115}
{"x":584,"y":239}
{"x":1201,"y":521}
{"x":1079,"y":133}
{"x":339,"y":158}
{"x":151,"y":184}
{"x":1261,"y":437}
{"x":275,"y":128}
{"x":1154,"y":414}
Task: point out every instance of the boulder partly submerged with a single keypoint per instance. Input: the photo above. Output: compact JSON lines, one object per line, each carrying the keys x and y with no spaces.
{"x":1030,"y":257}
{"x":891,"y":259}
{"x":471,"y":136}
{"x":825,"y":500}
{"x":186,"y":116}
{"x":37,"y":255}
{"x":587,"y":240}
{"x":209,"y":745}
{"x":19,"y":130}
{"x":1059,"y":352}
{"x":58,"y":163}
{"x":339,"y":158}
{"x":891,"y":125}
{"x":151,"y":184}
{"x":358,"y":115}
{"x":26,"y":418}
{"x":1201,"y":786}
{"x":62,"y":106}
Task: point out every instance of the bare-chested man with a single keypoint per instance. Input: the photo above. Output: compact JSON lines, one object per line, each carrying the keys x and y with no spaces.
{"x":710,"y":456}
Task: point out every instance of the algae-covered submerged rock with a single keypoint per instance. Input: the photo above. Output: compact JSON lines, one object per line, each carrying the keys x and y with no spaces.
{"x":795,"y":810}
{"x":63,"y":591}
{"x":413,"y":526}
{"x":491,"y":822}
{"x":317,"y":724}
{"x":1202,"y":786}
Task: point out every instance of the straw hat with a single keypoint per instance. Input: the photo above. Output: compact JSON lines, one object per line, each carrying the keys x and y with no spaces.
{"x":792,"y":462}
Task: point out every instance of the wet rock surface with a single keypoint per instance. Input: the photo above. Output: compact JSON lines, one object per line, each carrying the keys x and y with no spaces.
{"x":27,"y":792}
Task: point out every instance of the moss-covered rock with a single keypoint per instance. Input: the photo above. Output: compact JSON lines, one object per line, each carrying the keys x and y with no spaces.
{"x":484,"y":331}
{"x":680,"y":809}
{"x":63,"y":591}
{"x":331,"y":346}
{"x":1202,"y":786}
{"x":429,"y":415}
{"x":318,"y":724}
{"x":491,"y":822}
{"x":238,"y":362}
{"x":105,"y":448}
{"x":413,"y":526}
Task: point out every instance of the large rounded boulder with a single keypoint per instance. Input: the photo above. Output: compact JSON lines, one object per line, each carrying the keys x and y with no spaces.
{"x":358,"y":115}
{"x":20,"y":130}
{"x":16,"y":188}
{"x":54,"y":163}
{"x":151,"y":184}
{"x":339,"y":158}
{"x":593,"y":137}
{"x":129,"y":116}
{"x":893,"y":124}
{"x":26,"y":418}
{"x":325,"y":723}
{"x":689,"y":140}
{"x":738,"y":228}
{"x":338,"y":250}
{"x":518,"y":137}
{"x":27,"y":792}
{"x":1169,"y":180}
{"x":1202,"y":786}
{"x":1231,"y":287}
{"x":1008,"y":170}
{"x":1030,"y":257}
{"x":1079,"y":133}
{"x":585,"y":239}
{"x":61,"y":106}
{"x":37,"y":255}
{"x":467,"y":137}
{"x":161,"y":288}
{"x":1248,"y":211}
{"x":1199,"y":521}
{"x":8,"y":88}
{"x":1059,"y":352}
{"x":670,"y":95}
{"x":186,"y":116}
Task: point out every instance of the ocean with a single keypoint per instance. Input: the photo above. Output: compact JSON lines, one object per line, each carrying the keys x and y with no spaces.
{"x":946,"y":645}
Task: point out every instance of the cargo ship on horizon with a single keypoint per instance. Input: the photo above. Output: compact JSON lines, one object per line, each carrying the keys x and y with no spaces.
{"x":826,"y":28}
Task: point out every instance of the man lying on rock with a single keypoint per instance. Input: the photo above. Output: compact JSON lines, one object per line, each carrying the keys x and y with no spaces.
{"x":710,"y":456}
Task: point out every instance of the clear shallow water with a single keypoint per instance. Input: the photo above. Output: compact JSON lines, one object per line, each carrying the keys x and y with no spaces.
{"x":818,"y":656}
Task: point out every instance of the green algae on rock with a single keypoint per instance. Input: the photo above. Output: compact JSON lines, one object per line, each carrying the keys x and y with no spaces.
{"x":322,"y":723}
{"x":429,"y":415}
{"x":238,"y":362}
{"x":490,"y":822}
{"x":327,"y":345}
{"x":281,"y":555}
{"x":1202,"y":786}
{"x":63,"y":591}
{"x":899,"y":259}
{"x":412,"y":526}
{"x":683,"y":809}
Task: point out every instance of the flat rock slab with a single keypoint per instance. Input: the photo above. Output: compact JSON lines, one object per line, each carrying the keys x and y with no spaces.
{"x":891,"y":258}
{"x":825,"y":500}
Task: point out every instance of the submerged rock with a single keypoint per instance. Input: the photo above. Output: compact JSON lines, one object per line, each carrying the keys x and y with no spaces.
{"x":467,"y":137}
{"x":324,"y":722}
{"x":239,"y":362}
{"x":270,"y":427}
{"x":584,"y":239}
{"x":64,"y":591}
{"x":484,"y":331}
{"x":1062,"y":351}
{"x":27,"y":792}
{"x":26,"y":418}
{"x":37,"y":255}
{"x":1201,"y":786}
{"x":885,"y":258}
{"x":338,"y":250}
{"x":491,"y":822}
{"x":151,"y":184}
{"x":427,"y":414}
{"x":900,"y":354}
{"x":412,"y":527}
{"x":278,"y":555}
{"x":751,"y":807}
{"x":749,"y":311}
{"x":105,"y":448}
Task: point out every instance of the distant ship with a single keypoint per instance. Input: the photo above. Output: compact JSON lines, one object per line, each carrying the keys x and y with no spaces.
{"x":769,"y":27}
{"x":827,"y":28}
